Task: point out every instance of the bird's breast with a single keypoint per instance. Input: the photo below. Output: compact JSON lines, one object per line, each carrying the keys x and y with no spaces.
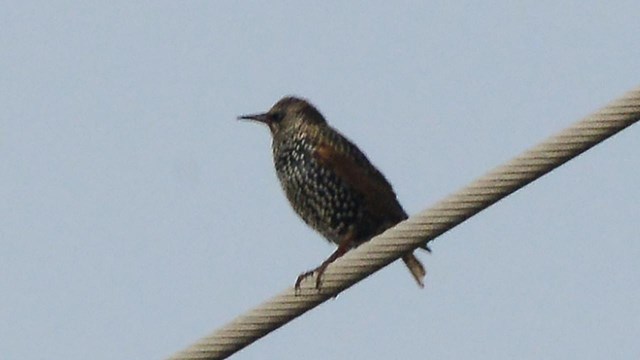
{"x":315,"y":192}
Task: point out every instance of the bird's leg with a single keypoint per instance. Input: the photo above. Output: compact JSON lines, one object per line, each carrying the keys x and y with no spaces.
{"x":341,"y":250}
{"x":343,"y":247}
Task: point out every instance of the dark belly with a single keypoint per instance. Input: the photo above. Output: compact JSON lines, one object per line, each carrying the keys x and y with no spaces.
{"x":319,"y":197}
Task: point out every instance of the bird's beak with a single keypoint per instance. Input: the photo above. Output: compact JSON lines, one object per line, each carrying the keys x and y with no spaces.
{"x":263,"y":118}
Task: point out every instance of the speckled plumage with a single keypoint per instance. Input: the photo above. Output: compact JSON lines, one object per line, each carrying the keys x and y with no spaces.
{"x":329,"y":182}
{"x":323,"y":200}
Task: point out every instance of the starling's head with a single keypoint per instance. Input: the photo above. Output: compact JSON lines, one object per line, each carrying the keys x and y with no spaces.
{"x":289,"y":112}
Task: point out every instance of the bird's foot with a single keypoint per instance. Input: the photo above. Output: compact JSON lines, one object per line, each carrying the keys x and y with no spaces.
{"x":318,"y":271}
{"x":301,"y":277}
{"x":342,"y":248}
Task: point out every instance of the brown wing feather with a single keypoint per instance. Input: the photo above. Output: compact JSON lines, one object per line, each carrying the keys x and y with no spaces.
{"x":380,"y":200}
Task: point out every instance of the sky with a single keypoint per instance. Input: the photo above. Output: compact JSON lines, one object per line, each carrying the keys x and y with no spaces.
{"x":137,"y":215}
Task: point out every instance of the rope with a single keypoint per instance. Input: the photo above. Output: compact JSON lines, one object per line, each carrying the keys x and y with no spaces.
{"x":425,"y":226}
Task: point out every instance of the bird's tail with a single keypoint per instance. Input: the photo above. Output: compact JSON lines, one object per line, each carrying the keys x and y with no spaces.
{"x":416,"y":268}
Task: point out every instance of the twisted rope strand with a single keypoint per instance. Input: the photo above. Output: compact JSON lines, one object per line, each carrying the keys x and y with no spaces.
{"x":415,"y":231}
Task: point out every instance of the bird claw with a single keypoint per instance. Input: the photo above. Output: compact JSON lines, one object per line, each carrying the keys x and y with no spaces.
{"x":307,"y":274}
{"x":301,"y":277}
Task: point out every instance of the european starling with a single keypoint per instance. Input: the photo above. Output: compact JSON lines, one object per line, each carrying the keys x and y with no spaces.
{"x":329,"y":182}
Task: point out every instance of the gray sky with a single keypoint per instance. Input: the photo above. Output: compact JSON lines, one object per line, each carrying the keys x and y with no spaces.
{"x":137,"y":215}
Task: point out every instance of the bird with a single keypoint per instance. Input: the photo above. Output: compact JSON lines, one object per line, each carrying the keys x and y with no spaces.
{"x":330,"y":183}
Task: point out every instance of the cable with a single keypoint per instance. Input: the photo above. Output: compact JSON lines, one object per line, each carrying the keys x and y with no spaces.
{"x":415,"y":231}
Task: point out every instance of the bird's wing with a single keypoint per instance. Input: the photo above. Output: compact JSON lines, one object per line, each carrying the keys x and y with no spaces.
{"x":353,"y":167}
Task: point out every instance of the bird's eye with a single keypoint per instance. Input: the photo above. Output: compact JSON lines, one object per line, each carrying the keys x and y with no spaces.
{"x":276,"y":116}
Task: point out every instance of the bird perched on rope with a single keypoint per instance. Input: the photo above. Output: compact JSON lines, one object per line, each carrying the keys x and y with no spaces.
{"x":330,"y":183}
